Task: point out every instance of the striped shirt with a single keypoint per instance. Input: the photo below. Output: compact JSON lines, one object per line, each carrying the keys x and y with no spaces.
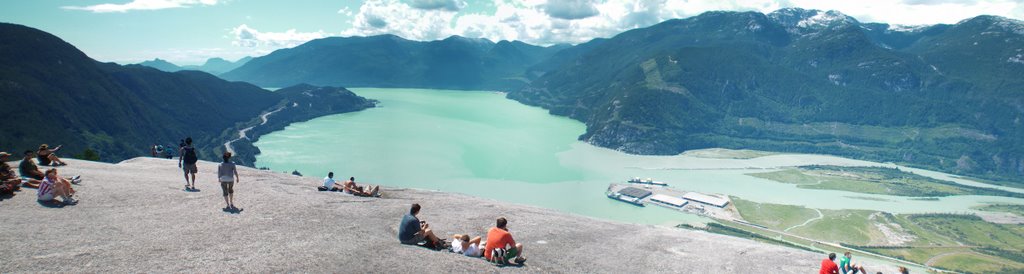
{"x":46,"y":187}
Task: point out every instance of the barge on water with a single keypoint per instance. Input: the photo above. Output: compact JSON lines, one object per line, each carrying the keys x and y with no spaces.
{"x":648,"y":181}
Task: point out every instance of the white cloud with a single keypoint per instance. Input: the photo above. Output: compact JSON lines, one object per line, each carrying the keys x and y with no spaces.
{"x":346,"y":11}
{"x":449,"y":5}
{"x":144,"y":5}
{"x":393,"y":17}
{"x":244,"y":36}
{"x":570,"y":9}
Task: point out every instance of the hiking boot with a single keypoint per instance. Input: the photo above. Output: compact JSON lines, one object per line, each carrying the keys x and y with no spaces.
{"x":520,"y":260}
{"x":70,"y":201}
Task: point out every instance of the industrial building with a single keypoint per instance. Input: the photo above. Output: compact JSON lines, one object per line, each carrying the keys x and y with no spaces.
{"x":706,"y":199}
{"x":635,"y":192}
{"x":669,"y":200}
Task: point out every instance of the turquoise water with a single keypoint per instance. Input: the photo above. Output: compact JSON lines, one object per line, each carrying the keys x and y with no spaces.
{"x":481,"y":144}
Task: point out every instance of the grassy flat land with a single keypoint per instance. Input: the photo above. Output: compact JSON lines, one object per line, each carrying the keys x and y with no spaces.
{"x":875,"y":180}
{"x":775,"y":216}
{"x":964,"y":243}
{"x":1009,"y":208}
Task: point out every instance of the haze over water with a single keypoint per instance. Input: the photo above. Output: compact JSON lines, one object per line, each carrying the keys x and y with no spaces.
{"x":482,"y":144}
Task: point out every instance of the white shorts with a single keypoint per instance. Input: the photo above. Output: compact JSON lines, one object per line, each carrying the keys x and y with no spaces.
{"x":473,"y":251}
{"x":46,"y":197}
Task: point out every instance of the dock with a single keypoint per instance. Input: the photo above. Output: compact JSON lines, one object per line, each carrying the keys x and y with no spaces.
{"x":709,"y":205}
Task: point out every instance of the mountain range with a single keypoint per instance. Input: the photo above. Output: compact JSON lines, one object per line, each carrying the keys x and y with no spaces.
{"x":53,"y":93}
{"x":213,"y":66}
{"x":391,"y":61}
{"x":948,"y":97}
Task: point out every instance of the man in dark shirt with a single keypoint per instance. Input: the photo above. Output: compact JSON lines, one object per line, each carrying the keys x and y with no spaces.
{"x":29,"y":169}
{"x":412,"y":231}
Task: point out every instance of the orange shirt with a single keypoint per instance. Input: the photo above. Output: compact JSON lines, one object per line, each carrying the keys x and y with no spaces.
{"x":828,"y":267}
{"x":498,"y":238}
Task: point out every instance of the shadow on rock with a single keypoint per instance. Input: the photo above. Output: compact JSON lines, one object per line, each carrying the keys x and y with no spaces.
{"x":232,"y":210}
{"x":52,"y":204}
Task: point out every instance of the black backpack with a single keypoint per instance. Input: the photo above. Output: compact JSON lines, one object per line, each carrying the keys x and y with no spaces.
{"x":190,"y":155}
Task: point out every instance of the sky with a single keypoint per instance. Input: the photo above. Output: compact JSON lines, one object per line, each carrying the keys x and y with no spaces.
{"x":188,"y":32}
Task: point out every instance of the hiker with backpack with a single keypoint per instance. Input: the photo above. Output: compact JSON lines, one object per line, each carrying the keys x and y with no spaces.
{"x":188,"y":156}
{"x":500,"y":247}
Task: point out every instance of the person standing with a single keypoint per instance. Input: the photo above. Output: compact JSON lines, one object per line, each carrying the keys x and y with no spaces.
{"x":188,"y":156}
{"x":828,"y":266}
{"x":227,"y":173}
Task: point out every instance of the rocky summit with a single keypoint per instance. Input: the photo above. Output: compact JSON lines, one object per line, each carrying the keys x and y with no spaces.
{"x":134,"y":216}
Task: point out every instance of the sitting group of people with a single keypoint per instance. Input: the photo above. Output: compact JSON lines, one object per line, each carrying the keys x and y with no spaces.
{"x":349,"y":187}
{"x":159,"y":151}
{"x":846,"y":266}
{"x":49,"y":184}
{"x":499,"y":247}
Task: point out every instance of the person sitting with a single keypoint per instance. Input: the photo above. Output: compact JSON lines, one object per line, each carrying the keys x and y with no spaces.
{"x":828,"y":266}
{"x":9,"y":182}
{"x":30,"y":170}
{"x":499,"y":239}
{"x":53,"y":186}
{"x":330,"y":184}
{"x":848,"y":267}
{"x":464,"y":245}
{"x":350,"y":187}
{"x":412,"y":231}
{"x":46,"y":157}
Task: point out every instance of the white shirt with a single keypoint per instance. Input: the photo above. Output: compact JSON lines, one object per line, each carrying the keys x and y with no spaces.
{"x":457,"y":246}
{"x":328,"y":182}
{"x":472,"y":251}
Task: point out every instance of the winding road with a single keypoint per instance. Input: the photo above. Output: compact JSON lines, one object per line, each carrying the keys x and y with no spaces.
{"x":808,"y":220}
{"x":241,"y":133}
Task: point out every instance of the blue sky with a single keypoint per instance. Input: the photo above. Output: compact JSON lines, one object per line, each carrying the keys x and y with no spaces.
{"x":190,"y":31}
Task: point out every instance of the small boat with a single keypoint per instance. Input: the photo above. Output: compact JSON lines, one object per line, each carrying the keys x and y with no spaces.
{"x":648,"y":181}
{"x":624,"y":198}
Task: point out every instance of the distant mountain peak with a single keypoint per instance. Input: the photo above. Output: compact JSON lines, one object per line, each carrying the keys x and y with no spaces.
{"x":467,"y":39}
{"x":907,"y":28}
{"x":161,"y":64}
{"x":996,"y":22}
{"x":797,"y":20}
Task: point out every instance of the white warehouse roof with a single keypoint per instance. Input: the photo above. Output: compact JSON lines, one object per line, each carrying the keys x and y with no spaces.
{"x":674,"y":201}
{"x":706,"y":199}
